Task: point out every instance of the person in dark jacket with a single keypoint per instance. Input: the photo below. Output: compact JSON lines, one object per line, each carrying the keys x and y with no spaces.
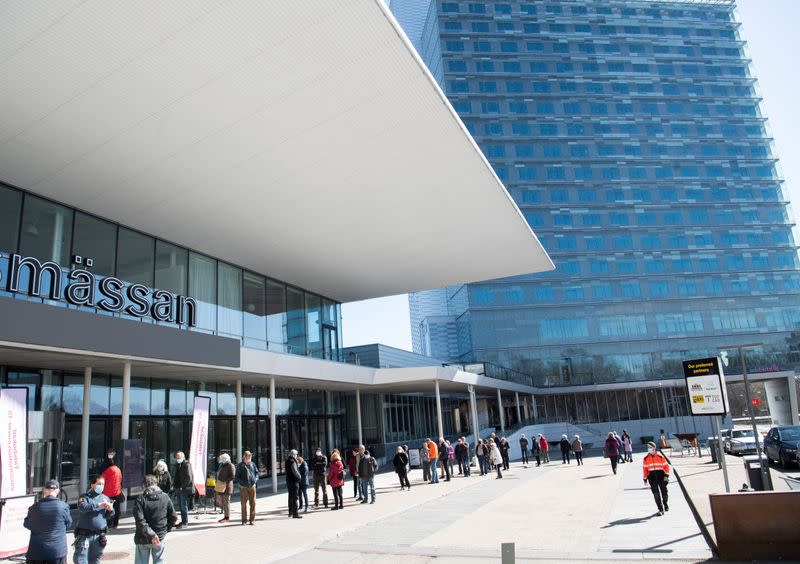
{"x":444,"y":455}
{"x":565,"y":448}
{"x":226,"y":472}
{"x":366,"y":475}
{"x":183,"y":483}
{"x":292,"y":483}
{"x":536,"y":451}
{"x":247,"y":478}
{"x":302,"y":467}
{"x":48,"y":521}
{"x":504,"y":447}
{"x":154,"y":515}
{"x":612,"y":450}
{"x":523,"y":447}
{"x":401,"y":467}
{"x":352,"y":466}
{"x":459,"y":451}
{"x":161,"y":472}
{"x":319,"y":467}
{"x":466,"y":452}
{"x":94,"y":511}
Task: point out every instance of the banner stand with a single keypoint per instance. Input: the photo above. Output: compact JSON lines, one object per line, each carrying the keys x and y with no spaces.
{"x":198,"y":451}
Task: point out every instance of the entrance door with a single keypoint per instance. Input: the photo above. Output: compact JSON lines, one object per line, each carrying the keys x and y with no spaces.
{"x":330,"y":342}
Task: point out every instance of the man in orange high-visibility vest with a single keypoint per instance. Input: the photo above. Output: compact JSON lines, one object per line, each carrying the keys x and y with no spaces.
{"x":656,"y":472}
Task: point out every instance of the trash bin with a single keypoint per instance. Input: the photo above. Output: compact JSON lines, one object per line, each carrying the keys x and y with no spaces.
{"x":753,"y":470}
{"x":712,"y":447}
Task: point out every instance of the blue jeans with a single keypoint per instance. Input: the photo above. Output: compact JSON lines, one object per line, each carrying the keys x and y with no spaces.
{"x":483,"y":464}
{"x":368,"y":485}
{"x":144,"y":551}
{"x":304,"y":497}
{"x":87,"y":549}
{"x":465,"y":463}
{"x":183,"y":506}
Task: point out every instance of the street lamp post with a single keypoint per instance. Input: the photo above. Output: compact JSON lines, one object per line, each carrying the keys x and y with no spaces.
{"x":748,"y":396}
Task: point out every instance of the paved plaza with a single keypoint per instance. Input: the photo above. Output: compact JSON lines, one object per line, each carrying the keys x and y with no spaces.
{"x":552,"y":513}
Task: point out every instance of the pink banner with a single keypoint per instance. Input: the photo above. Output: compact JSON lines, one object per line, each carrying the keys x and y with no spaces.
{"x":13,"y":441}
{"x":198,"y":452}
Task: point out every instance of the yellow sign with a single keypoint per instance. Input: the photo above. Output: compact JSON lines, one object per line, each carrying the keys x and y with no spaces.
{"x":698,"y":399}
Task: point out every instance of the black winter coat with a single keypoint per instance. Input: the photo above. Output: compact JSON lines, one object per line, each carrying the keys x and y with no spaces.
{"x":48,"y":521}
{"x":292,"y":471}
{"x":400,"y":462}
{"x":154,"y":515}
{"x":184,"y":478}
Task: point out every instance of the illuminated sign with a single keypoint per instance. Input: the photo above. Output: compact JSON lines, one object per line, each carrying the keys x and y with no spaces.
{"x":705,"y":384}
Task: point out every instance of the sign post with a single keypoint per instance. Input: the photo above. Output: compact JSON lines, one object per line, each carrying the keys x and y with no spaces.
{"x":705,"y":383}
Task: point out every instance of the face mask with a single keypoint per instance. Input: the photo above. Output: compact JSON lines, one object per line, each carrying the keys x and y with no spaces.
{"x":651,"y":450}
{"x":179,"y":460}
{"x":319,"y":453}
{"x":98,"y":488}
{"x":111,"y":457}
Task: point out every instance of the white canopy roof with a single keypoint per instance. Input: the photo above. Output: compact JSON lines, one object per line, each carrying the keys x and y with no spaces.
{"x":303,"y":140}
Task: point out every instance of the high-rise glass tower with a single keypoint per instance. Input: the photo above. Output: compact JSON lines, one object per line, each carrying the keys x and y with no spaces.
{"x":630,"y":135}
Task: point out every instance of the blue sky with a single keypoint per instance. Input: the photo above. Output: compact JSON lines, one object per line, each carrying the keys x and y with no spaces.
{"x":770,"y":28}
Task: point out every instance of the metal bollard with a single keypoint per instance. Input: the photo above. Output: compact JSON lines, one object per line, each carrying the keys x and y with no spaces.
{"x":507,"y":552}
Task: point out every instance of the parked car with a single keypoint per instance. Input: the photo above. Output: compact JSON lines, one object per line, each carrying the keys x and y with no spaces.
{"x":739,"y":440}
{"x":781,"y":444}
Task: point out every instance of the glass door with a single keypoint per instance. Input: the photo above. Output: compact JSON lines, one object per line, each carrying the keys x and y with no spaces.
{"x":330,"y":342}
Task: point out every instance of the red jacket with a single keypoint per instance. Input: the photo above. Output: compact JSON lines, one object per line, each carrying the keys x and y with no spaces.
{"x":336,"y":468}
{"x":543,"y":444}
{"x":113,"y":477}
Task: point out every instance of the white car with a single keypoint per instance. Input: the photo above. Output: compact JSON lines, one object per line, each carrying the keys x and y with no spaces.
{"x":740,"y":441}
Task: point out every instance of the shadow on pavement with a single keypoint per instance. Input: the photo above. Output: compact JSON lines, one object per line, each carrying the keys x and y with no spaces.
{"x":593,"y":477}
{"x":633,"y":521}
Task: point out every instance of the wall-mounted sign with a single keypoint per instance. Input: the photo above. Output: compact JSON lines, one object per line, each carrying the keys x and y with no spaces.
{"x":108,"y":293}
{"x":705,"y":383}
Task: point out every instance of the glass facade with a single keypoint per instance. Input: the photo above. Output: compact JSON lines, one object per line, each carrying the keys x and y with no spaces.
{"x":629,"y":133}
{"x":230,"y":301}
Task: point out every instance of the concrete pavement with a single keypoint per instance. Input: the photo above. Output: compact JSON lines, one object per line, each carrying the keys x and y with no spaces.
{"x":555,"y":512}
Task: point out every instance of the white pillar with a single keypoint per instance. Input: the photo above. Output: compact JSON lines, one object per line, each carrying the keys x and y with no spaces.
{"x":439,"y":409}
{"x":534,"y":410}
{"x":793,"y":398}
{"x":502,"y":414}
{"x":87,"y":391}
{"x":238,"y":420}
{"x":519,"y":410}
{"x":474,"y":408}
{"x":358,"y":417}
{"x":273,"y":441}
{"x":124,"y":426}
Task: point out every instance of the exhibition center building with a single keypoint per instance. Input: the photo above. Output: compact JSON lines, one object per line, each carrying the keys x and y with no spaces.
{"x":187,"y":196}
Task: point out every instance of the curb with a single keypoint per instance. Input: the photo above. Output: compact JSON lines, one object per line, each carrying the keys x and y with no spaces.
{"x":703,"y":529}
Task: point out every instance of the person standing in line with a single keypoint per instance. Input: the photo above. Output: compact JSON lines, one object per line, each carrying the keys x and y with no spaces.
{"x":94,"y":511}
{"x":504,"y":447}
{"x":336,"y":480}
{"x":302,"y":467}
{"x":366,"y":473}
{"x":154,"y":516}
{"x":433,"y":454}
{"x":612,"y":450}
{"x":113,"y":488}
{"x":401,"y":468}
{"x":224,"y":488}
{"x":656,"y":472}
{"x":444,"y":454}
{"x":48,"y":520}
{"x":362,"y":484}
{"x":292,"y":483}
{"x":161,"y":472}
{"x":544,"y":446}
{"x":183,"y":482}
{"x":495,"y":458}
{"x":627,"y":444}
{"x":565,"y":448}
{"x":466,"y":454}
{"x":352,"y":466}
{"x":451,"y":457}
{"x":577,"y":448}
{"x":523,"y":447}
{"x":425,"y":460}
{"x":319,"y":466}
{"x":480,"y":453}
{"x":460,"y":456}
{"x":247,"y":477}
{"x":536,"y":450}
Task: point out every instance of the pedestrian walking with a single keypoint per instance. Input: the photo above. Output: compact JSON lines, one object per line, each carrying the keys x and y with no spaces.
{"x":366,"y":474}
{"x":611,"y":448}
{"x":627,"y":444}
{"x":319,"y":466}
{"x":544,"y":446}
{"x":425,"y":461}
{"x":154,"y":516}
{"x":292,"y":483}
{"x":656,"y":472}
{"x":433,"y":454}
{"x":352,"y":466}
{"x":444,"y":455}
{"x":577,"y":448}
{"x":48,"y":520}
{"x":495,"y":458}
{"x":224,"y":487}
{"x":504,"y":447}
{"x":161,"y":472}
{"x":113,"y":488}
{"x":183,"y":484}
{"x":565,"y":449}
{"x":336,"y":480}
{"x":247,"y":478}
{"x":523,"y":447}
{"x":620,"y":446}
{"x":663,"y":443}
{"x":401,"y":468}
{"x":94,"y":511}
{"x":302,"y":467}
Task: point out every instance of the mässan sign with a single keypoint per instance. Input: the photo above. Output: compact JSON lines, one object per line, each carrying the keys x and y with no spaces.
{"x":111,"y":294}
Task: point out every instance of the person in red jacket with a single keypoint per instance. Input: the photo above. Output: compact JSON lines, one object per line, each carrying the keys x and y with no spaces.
{"x":336,"y":479}
{"x":544,"y":446}
{"x":656,"y":472}
{"x":113,"y":488}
